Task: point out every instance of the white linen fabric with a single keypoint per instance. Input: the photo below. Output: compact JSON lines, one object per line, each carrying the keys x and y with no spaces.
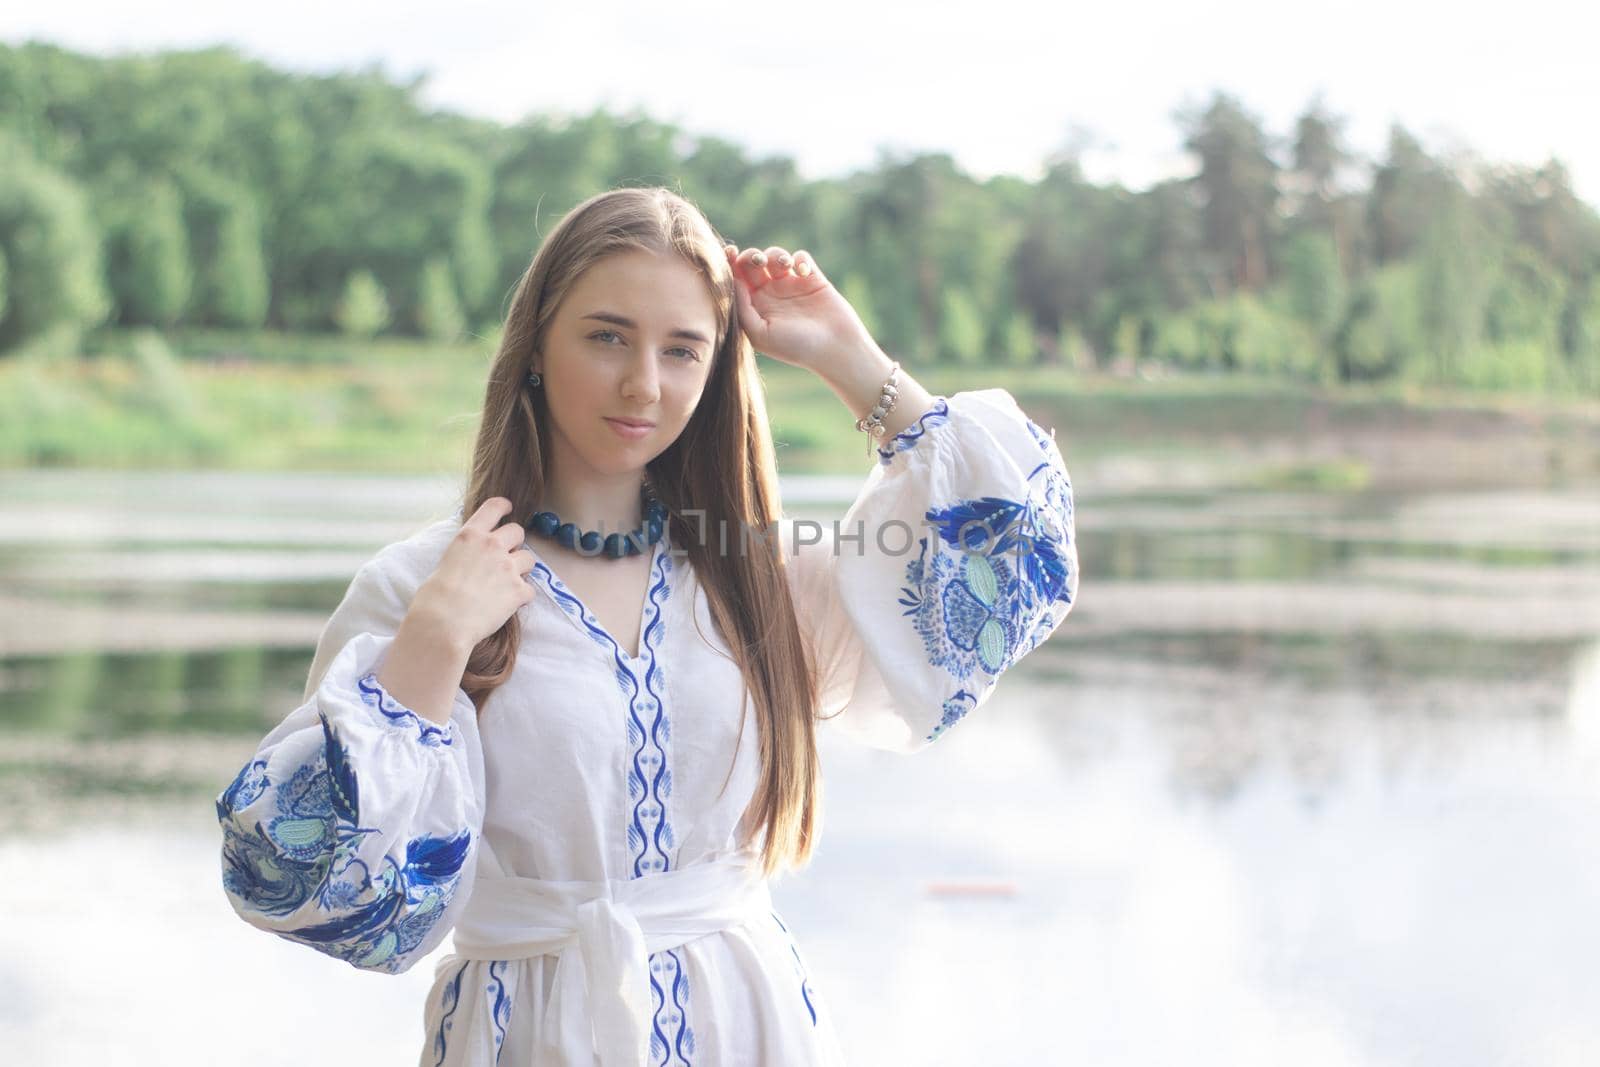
{"x":582,"y":836}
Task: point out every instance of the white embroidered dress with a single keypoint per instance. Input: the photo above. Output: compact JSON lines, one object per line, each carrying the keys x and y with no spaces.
{"x":361,"y":829}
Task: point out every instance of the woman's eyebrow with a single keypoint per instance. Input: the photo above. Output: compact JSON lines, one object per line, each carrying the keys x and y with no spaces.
{"x":621,"y":320}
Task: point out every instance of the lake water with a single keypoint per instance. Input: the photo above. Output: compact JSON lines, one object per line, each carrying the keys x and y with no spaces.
{"x":1304,"y":778}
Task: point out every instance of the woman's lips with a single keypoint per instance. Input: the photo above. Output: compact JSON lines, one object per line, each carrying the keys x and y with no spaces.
{"x":630,"y":431}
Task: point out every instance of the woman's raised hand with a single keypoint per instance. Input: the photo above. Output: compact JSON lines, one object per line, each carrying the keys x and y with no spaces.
{"x":789,"y":310}
{"x":481,"y":580}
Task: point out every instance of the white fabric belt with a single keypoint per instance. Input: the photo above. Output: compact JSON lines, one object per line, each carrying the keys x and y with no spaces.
{"x":600,"y":1004}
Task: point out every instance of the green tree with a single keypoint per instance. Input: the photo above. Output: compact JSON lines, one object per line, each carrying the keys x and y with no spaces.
{"x":1522,"y":320}
{"x":961,"y":329}
{"x":52,"y":251}
{"x":857,"y":289}
{"x":1264,"y":341}
{"x":438,"y":311}
{"x":231,"y":279}
{"x":1542,"y":212}
{"x":896,"y":207}
{"x":1405,"y":188}
{"x":148,"y":265}
{"x":1238,"y":188}
{"x":363,"y":308}
{"x":1453,"y":271}
{"x":1580,"y":334}
{"x":1062,"y":264}
{"x":1314,"y":288}
{"x":1380,"y":333}
{"x":1320,"y":158}
{"x":420,"y":197}
{"x":1019,"y":343}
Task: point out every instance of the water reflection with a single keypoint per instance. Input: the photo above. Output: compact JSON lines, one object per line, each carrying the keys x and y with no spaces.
{"x":1306,"y":778}
{"x":118,"y":695}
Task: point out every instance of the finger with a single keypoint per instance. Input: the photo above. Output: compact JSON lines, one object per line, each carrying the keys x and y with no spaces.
{"x":751,"y":266}
{"x":778,"y":261}
{"x":510,"y":536}
{"x":804,"y":266}
{"x":489,"y":512}
{"x":524,"y":561}
{"x":750,"y":319}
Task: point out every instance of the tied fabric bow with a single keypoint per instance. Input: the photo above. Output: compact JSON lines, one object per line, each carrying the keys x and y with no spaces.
{"x":602,"y":934}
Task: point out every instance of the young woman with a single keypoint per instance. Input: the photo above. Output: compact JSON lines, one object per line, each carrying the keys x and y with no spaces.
{"x":574,"y":724}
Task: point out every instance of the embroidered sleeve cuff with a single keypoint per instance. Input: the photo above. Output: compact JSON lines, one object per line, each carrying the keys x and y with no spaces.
{"x":905,"y":440}
{"x":376,"y":697}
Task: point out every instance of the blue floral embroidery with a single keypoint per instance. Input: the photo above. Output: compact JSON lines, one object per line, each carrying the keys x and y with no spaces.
{"x":248,"y":784}
{"x":988,"y":588}
{"x":955,"y":709}
{"x":309,"y":851}
{"x":374,"y":695}
{"x":906,"y":439}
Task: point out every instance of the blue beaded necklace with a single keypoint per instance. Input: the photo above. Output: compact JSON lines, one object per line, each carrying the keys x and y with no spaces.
{"x":613,"y":546}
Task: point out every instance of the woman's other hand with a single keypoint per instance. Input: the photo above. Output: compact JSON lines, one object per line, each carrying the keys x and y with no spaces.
{"x":481,"y":580}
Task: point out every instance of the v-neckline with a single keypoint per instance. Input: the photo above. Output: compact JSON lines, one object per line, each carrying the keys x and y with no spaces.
{"x":578,"y":613}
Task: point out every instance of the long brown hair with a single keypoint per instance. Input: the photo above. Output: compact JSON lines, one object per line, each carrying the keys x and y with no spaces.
{"x":722,"y":464}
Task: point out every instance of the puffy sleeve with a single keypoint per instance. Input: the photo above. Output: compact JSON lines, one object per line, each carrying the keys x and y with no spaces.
{"x":353,"y":827}
{"x":956,"y":559}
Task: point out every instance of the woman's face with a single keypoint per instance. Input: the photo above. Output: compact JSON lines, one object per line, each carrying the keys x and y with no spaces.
{"x":632,"y":340}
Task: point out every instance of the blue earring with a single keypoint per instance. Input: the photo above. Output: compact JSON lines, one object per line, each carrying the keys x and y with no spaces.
{"x":533,"y":378}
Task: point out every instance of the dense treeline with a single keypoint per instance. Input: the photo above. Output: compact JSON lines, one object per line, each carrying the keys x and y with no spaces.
{"x":206,"y":189}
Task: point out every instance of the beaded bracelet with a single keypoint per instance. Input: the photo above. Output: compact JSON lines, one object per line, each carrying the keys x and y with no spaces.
{"x":872,"y":424}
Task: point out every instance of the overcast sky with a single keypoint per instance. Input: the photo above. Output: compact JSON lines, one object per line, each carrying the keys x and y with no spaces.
{"x":999,"y":85}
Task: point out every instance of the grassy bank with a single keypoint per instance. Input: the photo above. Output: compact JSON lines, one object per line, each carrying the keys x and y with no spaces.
{"x":265,"y":401}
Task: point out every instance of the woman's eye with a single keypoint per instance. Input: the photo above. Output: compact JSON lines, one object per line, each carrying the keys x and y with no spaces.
{"x":687,"y":352}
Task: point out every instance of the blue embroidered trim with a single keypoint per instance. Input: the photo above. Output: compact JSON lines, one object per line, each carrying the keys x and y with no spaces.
{"x":374,"y":695}
{"x":799,"y":969}
{"x":1045,"y":441}
{"x":575,"y":608}
{"x":906,"y":439}
{"x":640,"y":679}
{"x":671,"y":1037}
{"x":499,"y":1007}
{"x":684,"y":1043}
{"x":449,"y":1001}
{"x":651,"y":840}
{"x":650,"y":837}
{"x":309,"y":851}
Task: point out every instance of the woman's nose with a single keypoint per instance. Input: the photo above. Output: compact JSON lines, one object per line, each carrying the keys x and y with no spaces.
{"x":642,"y":381}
